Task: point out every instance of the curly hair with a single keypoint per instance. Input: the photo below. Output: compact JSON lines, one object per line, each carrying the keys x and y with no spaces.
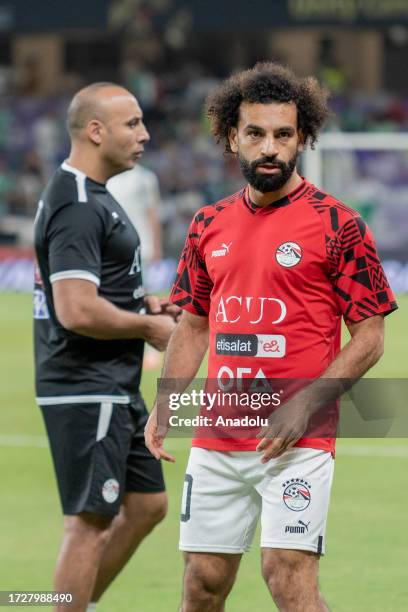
{"x":267,"y":82}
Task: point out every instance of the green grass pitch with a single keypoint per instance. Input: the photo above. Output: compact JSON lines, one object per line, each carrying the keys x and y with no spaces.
{"x":365,"y":569}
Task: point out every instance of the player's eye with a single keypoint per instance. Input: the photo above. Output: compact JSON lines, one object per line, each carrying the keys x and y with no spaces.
{"x":284,"y":135}
{"x":254,"y":134}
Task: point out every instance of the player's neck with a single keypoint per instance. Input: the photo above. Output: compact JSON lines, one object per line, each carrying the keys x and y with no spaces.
{"x":89,"y":165}
{"x":264,"y":199}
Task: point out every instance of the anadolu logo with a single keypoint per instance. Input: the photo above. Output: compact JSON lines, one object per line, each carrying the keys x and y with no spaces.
{"x":288,"y":254}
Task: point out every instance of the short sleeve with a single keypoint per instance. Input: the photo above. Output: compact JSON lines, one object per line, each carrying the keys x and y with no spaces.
{"x":75,"y":238}
{"x":192,"y":287}
{"x":359,"y":280}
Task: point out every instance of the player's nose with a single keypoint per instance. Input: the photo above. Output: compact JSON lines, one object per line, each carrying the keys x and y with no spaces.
{"x":269,"y":147}
{"x":143,"y":135}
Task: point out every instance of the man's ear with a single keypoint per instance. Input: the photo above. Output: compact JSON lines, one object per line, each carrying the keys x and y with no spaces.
{"x":94,"y":131}
{"x":233,"y":139}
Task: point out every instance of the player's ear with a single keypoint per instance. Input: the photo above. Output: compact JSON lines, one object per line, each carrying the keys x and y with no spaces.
{"x":233,"y":139}
{"x":94,"y":131}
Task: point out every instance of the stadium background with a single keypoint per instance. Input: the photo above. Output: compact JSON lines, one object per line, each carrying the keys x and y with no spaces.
{"x":170,"y":53}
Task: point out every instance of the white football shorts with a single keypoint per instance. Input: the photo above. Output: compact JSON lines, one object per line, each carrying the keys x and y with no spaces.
{"x":225,"y":494}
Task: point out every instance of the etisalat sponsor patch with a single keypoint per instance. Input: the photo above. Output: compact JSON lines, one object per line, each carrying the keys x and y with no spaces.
{"x":251,"y":345}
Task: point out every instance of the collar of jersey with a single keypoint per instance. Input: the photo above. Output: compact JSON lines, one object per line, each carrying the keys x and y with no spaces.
{"x":290,"y":197}
{"x":68,"y":168}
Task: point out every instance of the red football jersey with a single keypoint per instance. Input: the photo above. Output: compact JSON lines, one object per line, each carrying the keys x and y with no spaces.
{"x":275,"y":283}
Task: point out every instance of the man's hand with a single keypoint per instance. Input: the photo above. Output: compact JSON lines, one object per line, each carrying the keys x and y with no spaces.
{"x":152,"y":303}
{"x":186,"y":350}
{"x":172,"y":310}
{"x":154,"y":438}
{"x":156,"y":305}
{"x":286,"y":426}
{"x":158,"y":330}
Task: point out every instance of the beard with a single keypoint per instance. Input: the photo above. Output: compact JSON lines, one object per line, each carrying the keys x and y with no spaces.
{"x":267,"y":182}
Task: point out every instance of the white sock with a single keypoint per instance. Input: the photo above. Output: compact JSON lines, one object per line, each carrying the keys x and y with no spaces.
{"x":91,"y":607}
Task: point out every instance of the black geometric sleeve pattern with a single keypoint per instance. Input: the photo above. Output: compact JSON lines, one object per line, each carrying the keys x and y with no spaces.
{"x":192,"y":287}
{"x":356,"y":272}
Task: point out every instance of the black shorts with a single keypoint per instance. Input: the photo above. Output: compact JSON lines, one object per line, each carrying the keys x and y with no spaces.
{"x":99,"y":454}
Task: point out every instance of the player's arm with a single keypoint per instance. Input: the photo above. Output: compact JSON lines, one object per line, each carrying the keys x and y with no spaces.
{"x":356,"y":274}
{"x":362,"y":351}
{"x":80,"y":309}
{"x":185,"y":352}
{"x":75,"y":236}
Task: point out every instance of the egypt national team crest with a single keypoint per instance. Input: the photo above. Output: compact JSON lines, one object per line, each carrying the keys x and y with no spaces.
{"x":296,"y":494}
{"x":110,"y":490}
{"x":288,"y":254}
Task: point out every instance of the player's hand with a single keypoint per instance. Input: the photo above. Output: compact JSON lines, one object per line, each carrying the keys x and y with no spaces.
{"x":153,"y":304}
{"x":154,"y":438}
{"x":286,"y":426}
{"x":156,"y":305}
{"x":172,"y":310}
{"x":159,"y":329}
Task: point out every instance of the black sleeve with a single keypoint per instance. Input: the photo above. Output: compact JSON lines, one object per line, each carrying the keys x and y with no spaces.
{"x":75,"y":238}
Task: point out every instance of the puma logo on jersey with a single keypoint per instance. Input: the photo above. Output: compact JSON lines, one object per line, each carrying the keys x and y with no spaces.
{"x":224,"y":250}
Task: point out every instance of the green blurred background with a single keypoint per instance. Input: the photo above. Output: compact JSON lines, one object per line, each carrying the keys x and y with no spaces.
{"x":366,"y":562}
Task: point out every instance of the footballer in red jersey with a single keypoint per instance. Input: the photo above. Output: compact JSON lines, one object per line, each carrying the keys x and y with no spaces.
{"x":282,"y":276}
{"x":265,"y":278}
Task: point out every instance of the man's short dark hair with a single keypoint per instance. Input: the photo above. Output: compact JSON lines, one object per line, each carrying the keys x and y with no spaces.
{"x":84,"y":106}
{"x":265,"y":83}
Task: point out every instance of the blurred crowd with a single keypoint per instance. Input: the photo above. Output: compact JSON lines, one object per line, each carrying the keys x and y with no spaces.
{"x":191,"y":168}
